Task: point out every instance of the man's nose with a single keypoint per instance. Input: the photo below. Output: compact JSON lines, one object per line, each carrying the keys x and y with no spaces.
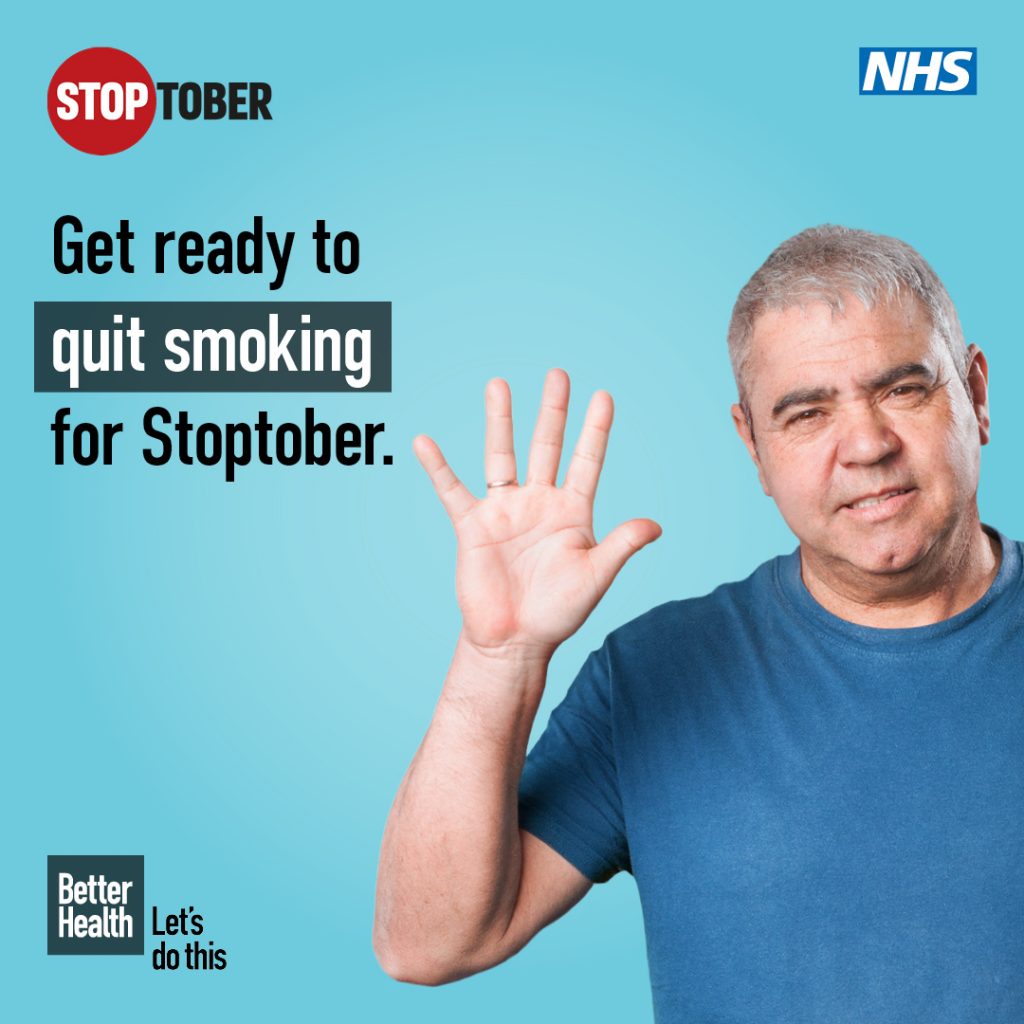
{"x":867,"y":435}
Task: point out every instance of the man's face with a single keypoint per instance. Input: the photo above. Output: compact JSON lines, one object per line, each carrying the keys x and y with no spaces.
{"x":864,"y":433}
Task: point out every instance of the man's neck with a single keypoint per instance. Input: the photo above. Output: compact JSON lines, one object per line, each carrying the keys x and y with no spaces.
{"x":938,"y":588}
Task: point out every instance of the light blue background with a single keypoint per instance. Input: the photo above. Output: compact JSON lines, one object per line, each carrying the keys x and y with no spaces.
{"x":232,"y":679}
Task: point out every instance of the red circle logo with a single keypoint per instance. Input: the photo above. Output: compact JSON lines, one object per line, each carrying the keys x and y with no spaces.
{"x":101,"y":100}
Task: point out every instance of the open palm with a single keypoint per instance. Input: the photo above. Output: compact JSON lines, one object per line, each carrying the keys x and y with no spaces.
{"x":529,"y":568}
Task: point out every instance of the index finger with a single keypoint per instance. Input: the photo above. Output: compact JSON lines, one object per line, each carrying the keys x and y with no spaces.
{"x":588,"y":458}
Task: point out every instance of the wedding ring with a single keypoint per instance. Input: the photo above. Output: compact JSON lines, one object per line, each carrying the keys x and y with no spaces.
{"x":502,"y":483}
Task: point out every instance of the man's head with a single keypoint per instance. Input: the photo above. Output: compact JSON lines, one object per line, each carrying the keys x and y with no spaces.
{"x":861,"y":406}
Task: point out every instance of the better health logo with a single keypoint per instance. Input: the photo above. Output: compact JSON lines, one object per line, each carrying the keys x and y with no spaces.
{"x":95,"y":904}
{"x":102,"y":101}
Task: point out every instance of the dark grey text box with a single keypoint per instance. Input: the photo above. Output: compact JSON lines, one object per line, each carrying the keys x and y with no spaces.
{"x":157,"y":318}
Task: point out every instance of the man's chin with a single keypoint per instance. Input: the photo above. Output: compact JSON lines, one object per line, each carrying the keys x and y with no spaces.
{"x":889,"y":564}
{"x":881,"y":556}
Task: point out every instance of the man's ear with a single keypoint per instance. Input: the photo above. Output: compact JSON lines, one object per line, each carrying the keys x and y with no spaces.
{"x":977,"y":388}
{"x":745,"y":429}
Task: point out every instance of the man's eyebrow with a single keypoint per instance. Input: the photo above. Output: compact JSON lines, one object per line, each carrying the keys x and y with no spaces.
{"x":802,"y":396}
{"x":808,"y":396}
{"x":884,"y":380}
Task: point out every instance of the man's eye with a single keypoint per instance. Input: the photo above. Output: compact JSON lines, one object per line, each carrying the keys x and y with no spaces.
{"x":805,"y":416}
{"x":908,"y":391}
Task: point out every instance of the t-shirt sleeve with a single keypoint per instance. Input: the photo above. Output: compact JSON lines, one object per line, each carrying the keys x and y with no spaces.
{"x":569,"y":793}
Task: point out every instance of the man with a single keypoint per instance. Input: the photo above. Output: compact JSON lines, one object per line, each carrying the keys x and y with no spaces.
{"x":815,"y":775}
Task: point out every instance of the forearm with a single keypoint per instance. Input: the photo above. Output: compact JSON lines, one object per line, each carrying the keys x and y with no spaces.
{"x":451,"y":860}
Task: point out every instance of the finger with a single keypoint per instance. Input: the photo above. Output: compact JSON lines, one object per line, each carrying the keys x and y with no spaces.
{"x":456,"y":499}
{"x":499,"y":452}
{"x":548,"y":434}
{"x":619,"y":546}
{"x":587,"y":459}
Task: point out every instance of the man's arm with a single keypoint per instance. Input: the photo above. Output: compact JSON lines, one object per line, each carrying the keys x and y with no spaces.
{"x":460,"y":887}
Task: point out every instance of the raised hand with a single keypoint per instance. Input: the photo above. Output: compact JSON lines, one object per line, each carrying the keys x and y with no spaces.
{"x":529,"y":568}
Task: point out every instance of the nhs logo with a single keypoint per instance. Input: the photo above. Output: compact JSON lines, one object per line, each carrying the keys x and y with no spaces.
{"x":950,"y":71}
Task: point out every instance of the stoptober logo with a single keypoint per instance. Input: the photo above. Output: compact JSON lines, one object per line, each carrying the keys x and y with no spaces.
{"x":102,"y":101}
{"x":95,"y":905}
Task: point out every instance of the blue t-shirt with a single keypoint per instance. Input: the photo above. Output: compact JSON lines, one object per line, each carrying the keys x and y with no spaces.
{"x":825,"y":821}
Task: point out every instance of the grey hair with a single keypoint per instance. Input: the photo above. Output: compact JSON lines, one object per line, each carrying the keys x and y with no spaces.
{"x":825,"y":263}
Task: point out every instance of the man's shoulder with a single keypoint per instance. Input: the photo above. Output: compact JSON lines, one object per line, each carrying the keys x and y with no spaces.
{"x":755,"y":605}
{"x":728,"y":602}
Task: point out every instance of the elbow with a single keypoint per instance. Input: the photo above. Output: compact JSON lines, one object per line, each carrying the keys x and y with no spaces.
{"x":411,"y":970}
{"x":414,"y":966}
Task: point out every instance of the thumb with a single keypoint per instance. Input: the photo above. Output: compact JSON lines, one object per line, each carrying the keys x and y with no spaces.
{"x":616,"y":549}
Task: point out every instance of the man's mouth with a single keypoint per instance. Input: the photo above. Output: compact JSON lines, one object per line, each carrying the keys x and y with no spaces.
{"x":878,"y":499}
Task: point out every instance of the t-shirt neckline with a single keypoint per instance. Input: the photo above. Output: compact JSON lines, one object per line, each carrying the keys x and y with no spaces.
{"x":790,"y":585}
